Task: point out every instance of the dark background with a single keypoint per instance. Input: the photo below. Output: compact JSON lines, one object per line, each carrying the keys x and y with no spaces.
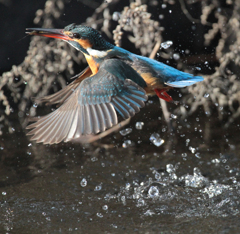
{"x":189,"y":184}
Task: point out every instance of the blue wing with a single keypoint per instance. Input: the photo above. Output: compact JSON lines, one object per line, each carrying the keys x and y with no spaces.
{"x":91,"y":107}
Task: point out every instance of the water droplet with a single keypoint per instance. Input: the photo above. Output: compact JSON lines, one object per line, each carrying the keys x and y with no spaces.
{"x":83,"y":183}
{"x":170,"y":168}
{"x":35,"y":105}
{"x":215,"y":161}
{"x":114,"y":225}
{"x":126,"y":131}
{"x":224,"y":160}
{"x":48,"y":218}
{"x":197,"y":155}
{"x":98,"y":187}
{"x":139,"y":125}
{"x":184,"y":155}
{"x":157,"y":176}
{"x":149,"y":213}
{"x":156,"y":140}
{"x":94,"y":159}
{"x":127,"y":143}
{"x":166,"y":44}
{"x":141,"y":202}
{"x":164,"y":6}
{"x":123,"y":199}
{"x":105,"y":207}
{"x":116,"y":16}
{"x":128,"y":185}
{"x":4,"y":193}
{"x":170,"y":11}
{"x":44,"y":213}
{"x":176,"y":56}
{"x":153,"y":192}
{"x":198,"y":68}
{"x":173,"y":116}
{"x":193,"y":150}
{"x":99,"y":215}
{"x":161,"y":16}
{"x":206,"y":95}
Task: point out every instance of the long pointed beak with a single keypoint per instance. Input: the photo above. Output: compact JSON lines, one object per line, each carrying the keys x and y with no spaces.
{"x":45,"y":32}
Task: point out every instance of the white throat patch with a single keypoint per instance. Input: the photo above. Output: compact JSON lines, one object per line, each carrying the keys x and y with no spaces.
{"x":96,"y":53}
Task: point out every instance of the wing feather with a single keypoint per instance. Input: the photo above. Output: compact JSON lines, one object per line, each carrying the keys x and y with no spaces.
{"x":90,"y":107}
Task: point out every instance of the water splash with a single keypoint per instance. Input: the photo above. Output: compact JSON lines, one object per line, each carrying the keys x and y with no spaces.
{"x":215,"y":189}
{"x":197,"y":180}
{"x":166,"y":44}
{"x":127,"y":143}
{"x":139,"y":125}
{"x":105,"y":207}
{"x":126,"y":131}
{"x":156,"y":140}
{"x":153,"y":192}
{"x":176,"y":56}
{"x":83,"y":183}
{"x":98,"y":187}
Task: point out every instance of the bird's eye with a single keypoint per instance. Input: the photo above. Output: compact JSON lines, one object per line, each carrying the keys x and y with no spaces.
{"x":76,"y":35}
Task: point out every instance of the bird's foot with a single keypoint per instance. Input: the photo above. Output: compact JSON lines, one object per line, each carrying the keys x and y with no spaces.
{"x":161,"y":93}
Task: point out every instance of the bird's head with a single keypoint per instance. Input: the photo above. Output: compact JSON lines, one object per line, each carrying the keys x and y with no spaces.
{"x":83,"y":38}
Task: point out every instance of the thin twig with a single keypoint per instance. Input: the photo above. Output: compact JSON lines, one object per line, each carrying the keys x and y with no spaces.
{"x":163,"y":103}
{"x":155,"y":50}
{"x":166,"y":113}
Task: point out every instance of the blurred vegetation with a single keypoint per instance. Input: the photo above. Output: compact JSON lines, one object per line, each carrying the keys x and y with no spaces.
{"x":213,"y":27}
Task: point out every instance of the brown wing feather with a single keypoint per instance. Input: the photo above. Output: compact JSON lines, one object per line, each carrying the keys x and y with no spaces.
{"x":64,"y":93}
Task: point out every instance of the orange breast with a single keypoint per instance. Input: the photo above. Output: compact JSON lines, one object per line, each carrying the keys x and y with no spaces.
{"x":152,"y":83}
{"x":92,"y":64}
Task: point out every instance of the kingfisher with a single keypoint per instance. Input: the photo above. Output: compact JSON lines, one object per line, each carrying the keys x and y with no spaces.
{"x":115,"y":81}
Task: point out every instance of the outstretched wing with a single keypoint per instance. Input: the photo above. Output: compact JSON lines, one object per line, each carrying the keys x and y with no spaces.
{"x":63,"y":94}
{"x":91,"y":108}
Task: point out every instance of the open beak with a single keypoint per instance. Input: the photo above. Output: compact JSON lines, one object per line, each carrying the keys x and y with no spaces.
{"x":53,"y":33}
